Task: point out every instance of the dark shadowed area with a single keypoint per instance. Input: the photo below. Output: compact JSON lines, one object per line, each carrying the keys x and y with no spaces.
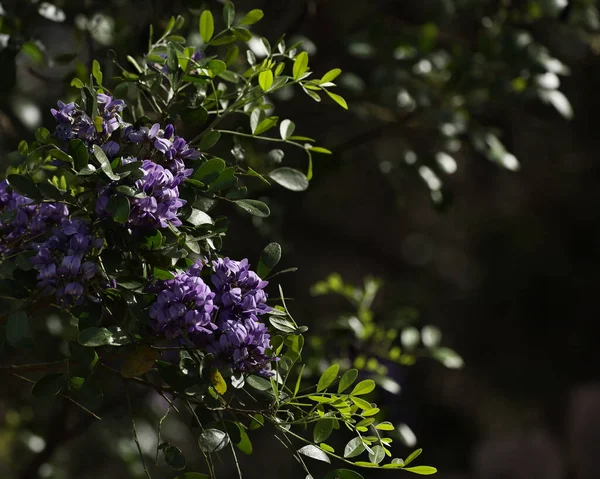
{"x":464,"y":175}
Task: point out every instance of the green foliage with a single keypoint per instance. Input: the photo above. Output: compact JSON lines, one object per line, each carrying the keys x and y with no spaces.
{"x":180,"y":83}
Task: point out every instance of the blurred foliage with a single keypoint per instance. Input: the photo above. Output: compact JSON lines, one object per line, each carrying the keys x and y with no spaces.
{"x":435,"y":76}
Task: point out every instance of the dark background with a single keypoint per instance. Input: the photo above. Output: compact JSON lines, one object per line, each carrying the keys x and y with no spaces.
{"x":505,"y":263}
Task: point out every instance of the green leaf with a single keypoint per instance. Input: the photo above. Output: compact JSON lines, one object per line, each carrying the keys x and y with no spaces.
{"x":347,"y":380}
{"x":266,"y":124}
{"x":212,"y":440}
{"x":25,"y":186}
{"x":354,"y":448}
{"x":94,"y":337}
{"x":209,"y":140}
{"x":323,"y":429}
{"x":239,"y":436}
{"x":265,"y":79}
{"x":231,"y":55}
{"x":313,"y":94}
{"x":422,"y":470}
{"x":315,"y":453}
{"x":256,"y":174}
{"x":252,"y":17}
{"x":174,"y":457}
{"x":217,"y":67}
{"x":228,"y":14}
{"x":210,"y":169}
{"x":371,"y":412}
{"x":254,"y":207}
{"x":118,"y":206}
{"x":49,"y":386}
{"x":50,"y":191}
{"x":255,"y":118}
{"x":365,"y":464}
{"x":286,"y":129}
{"x":172,"y":60}
{"x":42,"y":135}
{"x":258,"y":383}
{"x":207,"y":26}
{"x":363,"y":387}
{"x":298,"y":381}
{"x":328,"y":377}
{"x":269,"y":258}
{"x":86,"y":357}
{"x":18,"y":330}
{"x":377,"y":454}
{"x":361,"y":403}
{"x":300,"y":65}
{"x":343,"y":474}
{"x":330,"y":75}
{"x":23,"y":147}
{"x":198,"y":218}
{"x":412,"y":456}
{"x":385,"y":426}
{"x":290,"y":178}
{"x":225,"y":179}
{"x":242,"y":34}
{"x":80,"y":154}
{"x":319,"y":149}
{"x":160,"y":273}
{"x":97,"y":72}
{"x":77,"y":83}
{"x":223,"y":40}
{"x":338,"y":99}
{"x":282,"y":324}
{"x":257,"y":422}
{"x":104,"y":163}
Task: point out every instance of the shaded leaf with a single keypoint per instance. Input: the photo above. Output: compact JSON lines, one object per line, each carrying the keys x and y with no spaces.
{"x":315,"y":453}
{"x":269,"y":257}
{"x":354,"y":447}
{"x":323,"y":429}
{"x":139,"y":362}
{"x":212,"y":440}
{"x":290,"y":178}
{"x":49,"y":385}
{"x":254,"y":207}
{"x":94,"y":337}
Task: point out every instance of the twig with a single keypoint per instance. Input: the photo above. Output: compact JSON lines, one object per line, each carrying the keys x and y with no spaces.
{"x":135,"y":436}
{"x":80,"y":406}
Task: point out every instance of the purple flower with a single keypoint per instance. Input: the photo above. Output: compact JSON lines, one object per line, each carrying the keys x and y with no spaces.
{"x":183,"y":308}
{"x":25,"y":222}
{"x":161,"y":205}
{"x":243,"y":344}
{"x":239,"y":291}
{"x":60,"y":263}
{"x":76,"y":123}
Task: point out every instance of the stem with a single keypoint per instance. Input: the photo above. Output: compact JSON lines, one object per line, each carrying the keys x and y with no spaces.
{"x":207,"y":458}
{"x":135,"y":436}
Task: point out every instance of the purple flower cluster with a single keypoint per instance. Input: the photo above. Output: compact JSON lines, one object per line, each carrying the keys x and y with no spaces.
{"x":161,"y":203}
{"x":174,"y":148}
{"x":224,"y":321}
{"x":25,"y":221}
{"x":183,"y":307}
{"x":63,"y":262}
{"x":75,"y":123}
